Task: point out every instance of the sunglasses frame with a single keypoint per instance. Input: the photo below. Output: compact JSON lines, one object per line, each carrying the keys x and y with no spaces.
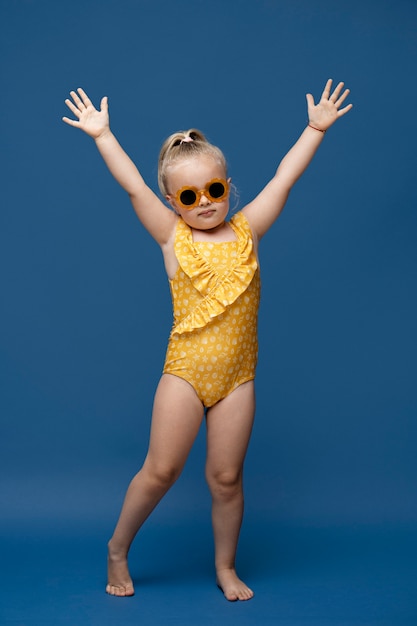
{"x":200,"y":192}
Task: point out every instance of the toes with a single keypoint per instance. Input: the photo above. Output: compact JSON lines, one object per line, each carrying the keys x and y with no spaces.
{"x":113,"y":590}
{"x":239,"y":594}
{"x":234,"y":589}
{"x":232,"y":597}
{"x":121,"y":592}
{"x":247,"y":594}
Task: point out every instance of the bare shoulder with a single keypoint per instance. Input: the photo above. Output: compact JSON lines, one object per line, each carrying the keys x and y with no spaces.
{"x":156,"y":217}
{"x":253,"y":231}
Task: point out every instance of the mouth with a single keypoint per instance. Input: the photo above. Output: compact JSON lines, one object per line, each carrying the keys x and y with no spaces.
{"x":206,"y":212}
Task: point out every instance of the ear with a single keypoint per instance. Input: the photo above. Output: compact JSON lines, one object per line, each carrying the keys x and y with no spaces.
{"x":171,"y":202}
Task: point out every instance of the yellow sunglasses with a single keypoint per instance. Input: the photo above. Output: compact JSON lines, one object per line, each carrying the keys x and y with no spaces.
{"x":215,"y":190}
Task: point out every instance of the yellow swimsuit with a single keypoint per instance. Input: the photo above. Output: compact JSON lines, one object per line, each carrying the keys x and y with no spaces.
{"x":215,"y":294}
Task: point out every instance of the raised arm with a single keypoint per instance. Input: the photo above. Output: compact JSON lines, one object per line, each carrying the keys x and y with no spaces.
{"x":266,"y":207}
{"x":154,"y":215}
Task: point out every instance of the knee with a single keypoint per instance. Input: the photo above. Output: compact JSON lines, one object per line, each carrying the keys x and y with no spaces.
{"x":225,"y":484}
{"x":162,"y":476}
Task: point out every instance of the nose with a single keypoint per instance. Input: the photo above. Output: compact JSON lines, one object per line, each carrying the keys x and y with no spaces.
{"x":204,"y":201}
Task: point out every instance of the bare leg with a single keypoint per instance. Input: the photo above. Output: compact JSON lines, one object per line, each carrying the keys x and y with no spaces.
{"x":229,"y":426}
{"x":176,"y":419}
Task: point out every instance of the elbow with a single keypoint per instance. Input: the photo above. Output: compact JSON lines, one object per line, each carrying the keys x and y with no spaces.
{"x":137,"y":191}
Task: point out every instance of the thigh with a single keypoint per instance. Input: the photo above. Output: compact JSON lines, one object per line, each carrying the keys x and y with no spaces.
{"x":229,"y":427}
{"x":176,"y":418}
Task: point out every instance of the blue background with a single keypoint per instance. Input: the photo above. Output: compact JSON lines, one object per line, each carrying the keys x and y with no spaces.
{"x":331,"y":475}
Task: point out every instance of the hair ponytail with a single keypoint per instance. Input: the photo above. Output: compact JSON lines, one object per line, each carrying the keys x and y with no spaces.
{"x":182,"y":145}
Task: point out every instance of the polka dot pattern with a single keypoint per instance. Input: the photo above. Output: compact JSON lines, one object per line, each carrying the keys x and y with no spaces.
{"x":215,"y":293}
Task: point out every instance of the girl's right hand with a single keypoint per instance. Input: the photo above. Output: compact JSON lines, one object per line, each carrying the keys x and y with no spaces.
{"x":94,"y":123}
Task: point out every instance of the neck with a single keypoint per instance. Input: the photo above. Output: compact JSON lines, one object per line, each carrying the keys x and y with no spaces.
{"x":212,"y":230}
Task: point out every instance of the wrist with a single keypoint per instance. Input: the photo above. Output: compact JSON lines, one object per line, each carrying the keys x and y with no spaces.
{"x":314,"y":127}
{"x":104,"y":135}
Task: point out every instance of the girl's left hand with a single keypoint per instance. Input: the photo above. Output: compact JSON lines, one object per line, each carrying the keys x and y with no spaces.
{"x":327,"y":111}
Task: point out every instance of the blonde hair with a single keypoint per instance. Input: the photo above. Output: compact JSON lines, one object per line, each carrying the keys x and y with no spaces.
{"x":182,"y":145}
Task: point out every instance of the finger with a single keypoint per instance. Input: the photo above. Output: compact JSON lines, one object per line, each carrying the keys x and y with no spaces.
{"x":85,"y":99}
{"x":342,"y":98}
{"x":344,"y":110}
{"x":104,"y":104}
{"x":336,"y":92}
{"x":326,"y":91}
{"x":310,"y":100}
{"x":73,"y":108}
{"x":77,"y":100}
{"x":67,"y":120}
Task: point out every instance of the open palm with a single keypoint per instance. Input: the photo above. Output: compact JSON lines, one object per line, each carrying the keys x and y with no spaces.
{"x":327,"y":111}
{"x":90,"y":120}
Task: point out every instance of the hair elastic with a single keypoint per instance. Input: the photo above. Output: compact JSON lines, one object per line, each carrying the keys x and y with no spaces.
{"x":187,"y":139}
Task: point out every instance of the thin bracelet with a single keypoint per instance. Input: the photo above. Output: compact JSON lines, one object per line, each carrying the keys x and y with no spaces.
{"x":319,"y":129}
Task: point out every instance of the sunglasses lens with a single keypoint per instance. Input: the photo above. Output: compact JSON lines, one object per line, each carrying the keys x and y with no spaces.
{"x":216,"y":190}
{"x":188,"y":197}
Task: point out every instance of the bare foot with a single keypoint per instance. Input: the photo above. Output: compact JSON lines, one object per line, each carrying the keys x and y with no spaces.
{"x":232,"y":587}
{"x":119,"y":580}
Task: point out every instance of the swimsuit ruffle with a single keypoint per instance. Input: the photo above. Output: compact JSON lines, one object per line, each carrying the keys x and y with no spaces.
{"x":218,"y":291}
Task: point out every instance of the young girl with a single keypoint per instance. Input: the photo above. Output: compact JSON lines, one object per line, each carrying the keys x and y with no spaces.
{"x":214,"y":279}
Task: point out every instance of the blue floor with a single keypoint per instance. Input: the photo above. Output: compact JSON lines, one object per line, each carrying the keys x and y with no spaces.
{"x":54,"y":575}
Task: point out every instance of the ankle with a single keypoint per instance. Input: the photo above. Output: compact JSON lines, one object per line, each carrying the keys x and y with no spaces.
{"x":225,"y":568}
{"x":115,"y":552}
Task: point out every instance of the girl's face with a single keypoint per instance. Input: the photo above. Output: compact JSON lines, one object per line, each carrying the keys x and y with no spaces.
{"x":197,"y":172}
